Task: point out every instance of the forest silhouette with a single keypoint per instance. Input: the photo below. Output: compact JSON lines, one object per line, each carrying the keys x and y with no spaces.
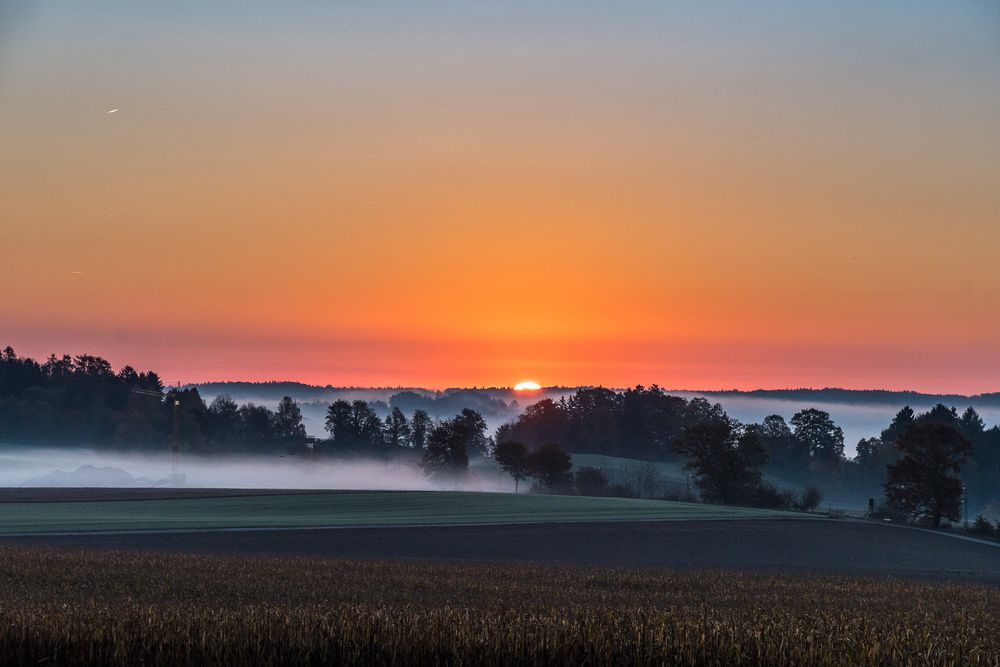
{"x":82,"y":401}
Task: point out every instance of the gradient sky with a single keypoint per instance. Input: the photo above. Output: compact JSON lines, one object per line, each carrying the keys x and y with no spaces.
{"x":701,"y":195}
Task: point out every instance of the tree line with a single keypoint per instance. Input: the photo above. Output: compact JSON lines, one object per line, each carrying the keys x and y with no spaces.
{"x":922,"y":465}
{"x":919,"y":464}
{"x":82,"y":401}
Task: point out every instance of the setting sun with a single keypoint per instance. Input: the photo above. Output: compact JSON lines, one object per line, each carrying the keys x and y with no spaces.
{"x":271,"y":269}
{"x":527,"y":385}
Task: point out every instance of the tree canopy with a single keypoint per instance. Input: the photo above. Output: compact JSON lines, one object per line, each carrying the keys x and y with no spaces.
{"x":446,"y":457}
{"x":513,"y":457}
{"x":926,"y":482}
{"x":725,"y":457}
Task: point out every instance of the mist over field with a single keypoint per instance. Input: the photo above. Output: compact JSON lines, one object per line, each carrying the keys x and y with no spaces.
{"x":496,"y":405}
{"x":63,"y":467}
{"x":859,"y":419}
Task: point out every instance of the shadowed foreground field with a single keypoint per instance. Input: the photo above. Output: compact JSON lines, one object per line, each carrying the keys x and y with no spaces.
{"x":808,"y":545}
{"x":119,"y":608}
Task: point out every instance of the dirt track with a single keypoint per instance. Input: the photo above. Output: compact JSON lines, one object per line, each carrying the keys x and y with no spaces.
{"x":771,"y":545}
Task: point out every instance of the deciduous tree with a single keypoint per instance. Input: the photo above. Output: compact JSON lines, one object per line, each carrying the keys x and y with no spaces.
{"x":474,"y":426}
{"x":445,"y":457}
{"x":726,"y":459}
{"x":288,"y":426}
{"x":550,"y":465}
{"x":397,"y":429}
{"x":925,"y":482}
{"x":513,"y":457}
{"x":820,"y":436}
{"x":420,"y":426}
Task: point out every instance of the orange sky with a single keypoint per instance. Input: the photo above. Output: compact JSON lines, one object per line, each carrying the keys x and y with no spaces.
{"x":476,"y":196}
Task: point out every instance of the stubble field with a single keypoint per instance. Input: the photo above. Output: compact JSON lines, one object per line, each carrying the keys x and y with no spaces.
{"x":126,"y":608}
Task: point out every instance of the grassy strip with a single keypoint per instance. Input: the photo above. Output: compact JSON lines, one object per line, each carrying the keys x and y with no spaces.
{"x":126,"y":609}
{"x":390,"y":508}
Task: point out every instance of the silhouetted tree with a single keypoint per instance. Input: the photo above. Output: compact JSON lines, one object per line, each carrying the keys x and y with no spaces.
{"x":397,"y":429}
{"x":867,"y":452}
{"x":769,"y":496}
{"x":544,"y":421}
{"x":809,"y":499}
{"x":648,"y":423}
{"x":338,"y":421}
{"x":784,"y":450}
{"x":986,"y":453}
{"x":420,"y":426}
{"x":903,"y":420}
{"x":450,"y":402}
{"x":726,"y":459}
{"x":226,"y":421}
{"x":820,"y":435}
{"x":192,"y":418}
{"x":593,"y":419}
{"x":367,"y":425}
{"x":939,"y":414}
{"x":58,"y":370}
{"x":288,"y":426}
{"x":700,"y":410}
{"x":354,"y":427}
{"x":925,"y":482}
{"x":637,"y":423}
{"x":513,"y":457}
{"x":550,"y":465}
{"x":257,"y":426}
{"x":971,"y":425}
{"x":474,"y":426}
{"x":445,"y":457}
{"x":140,"y":425}
{"x":873,"y":457}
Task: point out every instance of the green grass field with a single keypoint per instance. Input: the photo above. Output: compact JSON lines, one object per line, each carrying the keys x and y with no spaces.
{"x":348,"y":508}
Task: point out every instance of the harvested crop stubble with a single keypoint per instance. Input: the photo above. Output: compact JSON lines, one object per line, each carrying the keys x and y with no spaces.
{"x":66,"y":607}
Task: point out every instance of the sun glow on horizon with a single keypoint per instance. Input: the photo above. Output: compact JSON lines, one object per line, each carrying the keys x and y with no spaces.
{"x":576,"y":200}
{"x":527,"y":385}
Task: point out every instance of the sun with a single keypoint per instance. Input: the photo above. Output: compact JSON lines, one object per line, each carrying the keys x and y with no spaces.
{"x":527,"y":385}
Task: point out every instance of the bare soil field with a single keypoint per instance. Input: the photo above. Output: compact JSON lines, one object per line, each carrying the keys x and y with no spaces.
{"x":842,"y":547}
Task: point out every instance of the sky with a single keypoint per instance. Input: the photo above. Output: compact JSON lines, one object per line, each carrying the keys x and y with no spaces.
{"x":699,"y":195}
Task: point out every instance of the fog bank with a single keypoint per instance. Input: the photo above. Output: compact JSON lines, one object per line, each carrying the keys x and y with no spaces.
{"x":857,"y":420}
{"x":24,"y":466}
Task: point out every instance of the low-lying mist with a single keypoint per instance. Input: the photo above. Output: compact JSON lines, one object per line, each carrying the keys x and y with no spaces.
{"x":51,"y":467}
{"x":858,"y":420}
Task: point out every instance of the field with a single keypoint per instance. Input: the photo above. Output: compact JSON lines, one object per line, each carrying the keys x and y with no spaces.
{"x":481,"y":527}
{"x":165,"y":577}
{"x":118,"y":608}
{"x":332,"y":509}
